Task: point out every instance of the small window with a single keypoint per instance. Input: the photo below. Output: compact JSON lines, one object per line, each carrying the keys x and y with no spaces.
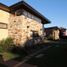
{"x":3,"y":25}
{"x":18,"y":12}
{"x":36,"y":18}
{"x":29,"y":15}
{"x":25,"y":13}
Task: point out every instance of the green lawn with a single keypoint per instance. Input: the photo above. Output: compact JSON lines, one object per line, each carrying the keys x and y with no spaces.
{"x":8,"y":56}
{"x":56,"y":56}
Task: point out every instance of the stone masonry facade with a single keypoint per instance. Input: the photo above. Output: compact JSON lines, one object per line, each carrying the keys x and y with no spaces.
{"x":20,"y":27}
{"x":20,"y":21}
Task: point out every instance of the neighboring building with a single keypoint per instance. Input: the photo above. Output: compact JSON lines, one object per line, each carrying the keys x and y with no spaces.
{"x":63,"y":33}
{"x":52,"y":33}
{"x":19,"y":21}
{"x":66,"y":32}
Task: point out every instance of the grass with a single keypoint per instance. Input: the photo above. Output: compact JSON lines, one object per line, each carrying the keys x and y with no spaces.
{"x":8,"y":56}
{"x":56,"y":56}
{"x":16,"y":53}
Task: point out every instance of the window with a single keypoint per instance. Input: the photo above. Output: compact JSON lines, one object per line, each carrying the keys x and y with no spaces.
{"x":29,"y":15}
{"x":3,"y":25}
{"x":25,"y":13}
{"x":36,"y":18}
{"x":19,"y":12}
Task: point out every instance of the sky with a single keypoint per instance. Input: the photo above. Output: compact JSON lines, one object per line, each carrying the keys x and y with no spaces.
{"x":54,"y":10}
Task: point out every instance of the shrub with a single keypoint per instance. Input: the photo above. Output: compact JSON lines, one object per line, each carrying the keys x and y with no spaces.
{"x":1,"y":49}
{"x":6,"y":44}
{"x":50,"y":37}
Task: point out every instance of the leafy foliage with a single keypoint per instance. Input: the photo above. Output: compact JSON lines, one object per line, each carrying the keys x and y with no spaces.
{"x":6,"y":44}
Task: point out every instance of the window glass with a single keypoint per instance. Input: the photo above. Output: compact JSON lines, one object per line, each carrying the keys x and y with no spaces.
{"x":36,"y":18}
{"x":31,"y":16}
{"x":19,"y":12}
{"x":3,"y":25}
{"x":25,"y":13}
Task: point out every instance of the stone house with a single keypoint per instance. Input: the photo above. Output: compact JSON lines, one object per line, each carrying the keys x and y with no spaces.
{"x":53,"y":33}
{"x":63,"y":33}
{"x":19,"y":21}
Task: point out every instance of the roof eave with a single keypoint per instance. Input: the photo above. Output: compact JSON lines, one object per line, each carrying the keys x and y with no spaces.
{"x":4,"y":7}
{"x":44,"y":19}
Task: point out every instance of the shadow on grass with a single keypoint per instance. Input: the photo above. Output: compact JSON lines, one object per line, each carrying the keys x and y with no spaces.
{"x":20,"y":52}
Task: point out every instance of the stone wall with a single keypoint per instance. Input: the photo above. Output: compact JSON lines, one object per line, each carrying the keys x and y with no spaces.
{"x":15,"y":28}
{"x":20,"y":28}
{"x":55,"y":34}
